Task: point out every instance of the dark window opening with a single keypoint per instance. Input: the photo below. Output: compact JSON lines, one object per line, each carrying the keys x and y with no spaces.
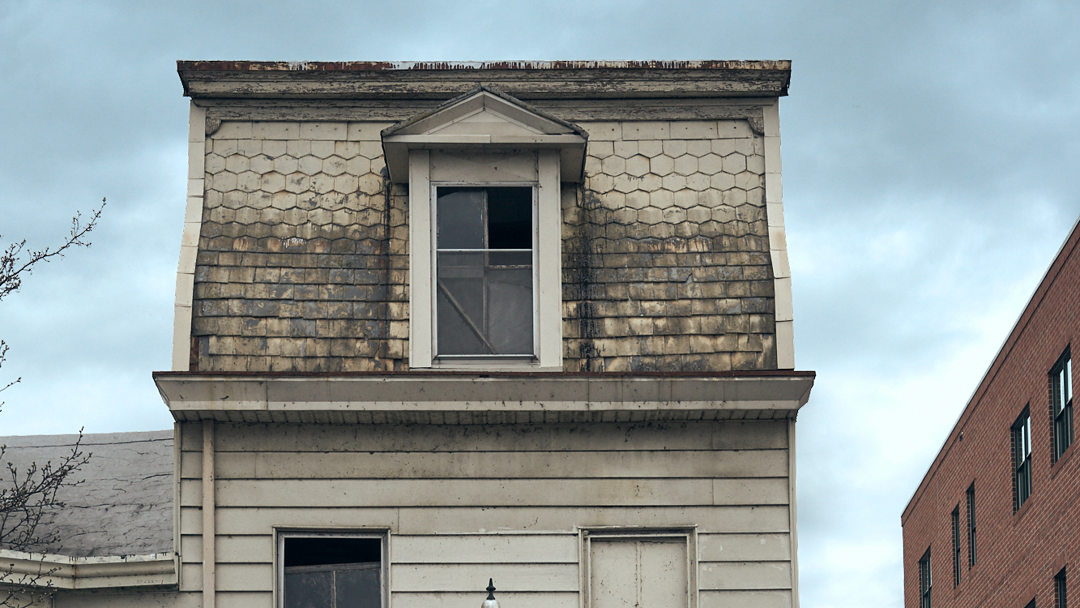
{"x":484,"y":271}
{"x":971,"y":524}
{"x":332,"y":572}
{"x":1061,"y":403}
{"x":1060,"y":594}
{"x":1021,"y":447}
{"x":956,"y":545}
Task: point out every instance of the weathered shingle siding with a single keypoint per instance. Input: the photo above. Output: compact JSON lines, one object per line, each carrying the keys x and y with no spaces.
{"x":666,"y":251}
{"x":302,"y":261}
{"x":303,"y":265}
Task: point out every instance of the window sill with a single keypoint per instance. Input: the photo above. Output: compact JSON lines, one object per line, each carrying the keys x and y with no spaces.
{"x":1024,"y":508}
{"x":1061,"y":462}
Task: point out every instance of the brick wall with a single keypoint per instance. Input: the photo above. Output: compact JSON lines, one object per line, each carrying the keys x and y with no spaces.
{"x":1018,"y":553}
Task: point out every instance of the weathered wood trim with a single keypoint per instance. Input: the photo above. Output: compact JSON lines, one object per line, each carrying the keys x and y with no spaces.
{"x":208,"y":496}
{"x":520,"y":79}
{"x":774,"y":211}
{"x":568,"y":110}
{"x":189,"y":241}
{"x":64,"y":572}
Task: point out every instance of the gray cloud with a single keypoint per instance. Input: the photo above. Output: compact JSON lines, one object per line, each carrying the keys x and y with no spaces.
{"x":929,"y":174}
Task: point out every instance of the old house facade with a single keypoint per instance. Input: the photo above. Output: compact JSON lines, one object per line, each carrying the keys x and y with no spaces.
{"x":440,"y":323}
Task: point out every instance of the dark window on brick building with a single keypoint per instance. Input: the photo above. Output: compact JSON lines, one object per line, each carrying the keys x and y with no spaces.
{"x":1061,"y":403}
{"x":971,"y":524}
{"x":925,"y":583}
{"x":1059,"y":589}
{"x":956,"y":546}
{"x":1031,"y":604}
{"x":1021,"y":448}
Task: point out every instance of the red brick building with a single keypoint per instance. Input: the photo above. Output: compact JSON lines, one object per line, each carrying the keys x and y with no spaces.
{"x":996,"y":519}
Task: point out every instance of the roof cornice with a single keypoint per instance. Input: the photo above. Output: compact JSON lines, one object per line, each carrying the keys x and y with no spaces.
{"x":522,"y":79}
{"x":445,"y":398}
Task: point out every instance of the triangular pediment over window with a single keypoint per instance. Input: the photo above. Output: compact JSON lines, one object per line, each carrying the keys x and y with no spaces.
{"x":484,"y":120}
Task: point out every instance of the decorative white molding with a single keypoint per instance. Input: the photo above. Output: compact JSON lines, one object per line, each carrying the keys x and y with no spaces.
{"x":64,"y":573}
{"x":774,"y":205}
{"x":189,"y":241}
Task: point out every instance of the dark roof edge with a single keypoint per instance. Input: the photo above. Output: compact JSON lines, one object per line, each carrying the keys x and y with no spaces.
{"x":522,"y":79}
{"x":775,"y":373}
{"x":1064,"y":252}
{"x":449,"y":66}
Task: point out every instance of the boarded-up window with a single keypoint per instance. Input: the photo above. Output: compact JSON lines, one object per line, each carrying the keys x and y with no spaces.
{"x":638,"y":572}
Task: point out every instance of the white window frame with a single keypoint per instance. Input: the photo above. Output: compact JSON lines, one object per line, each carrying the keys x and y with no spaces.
{"x":547,"y":255}
{"x":688,"y":534}
{"x":376,"y":534}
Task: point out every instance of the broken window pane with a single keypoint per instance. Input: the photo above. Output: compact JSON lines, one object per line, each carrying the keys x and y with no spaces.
{"x":332,"y":572}
{"x":484,"y":275}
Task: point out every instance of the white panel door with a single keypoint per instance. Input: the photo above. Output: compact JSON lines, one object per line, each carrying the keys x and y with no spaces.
{"x":638,"y":573}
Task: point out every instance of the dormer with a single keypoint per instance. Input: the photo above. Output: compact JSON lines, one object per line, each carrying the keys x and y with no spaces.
{"x":484,"y":173}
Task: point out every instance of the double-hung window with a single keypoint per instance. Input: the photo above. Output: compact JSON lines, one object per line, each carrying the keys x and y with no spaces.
{"x":956,"y":546}
{"x":925,"y":580}
{"x":1061,"y":403}
{"x":1021,"y":448}
{"x":971,"y":524}
{"x":484,"y":280}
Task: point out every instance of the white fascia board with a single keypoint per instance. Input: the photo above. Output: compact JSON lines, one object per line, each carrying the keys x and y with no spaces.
{"x":65,"y":572}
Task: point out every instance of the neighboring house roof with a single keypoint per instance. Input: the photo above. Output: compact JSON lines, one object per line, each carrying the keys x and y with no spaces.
{"x":124,"y":504}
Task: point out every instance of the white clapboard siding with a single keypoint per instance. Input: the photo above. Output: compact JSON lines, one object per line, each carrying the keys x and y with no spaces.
{"x":229,"y":548}
{"x":232,"y":577}
{"x":744,"y":599}
{"x":728,"y":435}
{"x":733,"y":576}
{"x":491,"y":465}
{"x":471,"y":599}
{"x":490,"y":492}
{"x":261,"y":520}
{"x":473,"y":549}
{"x":467,"y":577}
{"x":743,"y":547}
{"x":140,"y":599}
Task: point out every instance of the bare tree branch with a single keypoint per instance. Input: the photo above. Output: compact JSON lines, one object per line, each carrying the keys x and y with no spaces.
{"x":31,"y":494}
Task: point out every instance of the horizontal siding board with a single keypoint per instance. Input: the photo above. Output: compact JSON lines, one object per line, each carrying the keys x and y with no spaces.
{"x":743,"y":547}
{"x":457,"y":600}
{"x":230,"y":549}
{"x":728,"y":576}
{"x":232,"y":577}
{"x":730,"y":519}
{"x":724,"y":435}
{"x":488,"y":493}
{"x":485,"y":549}
{"x":470,"y":577}
{"x":127,"y":599}
{"x":771,"y":491}
{"x":491,"y":465}
{"x":744,"y":599}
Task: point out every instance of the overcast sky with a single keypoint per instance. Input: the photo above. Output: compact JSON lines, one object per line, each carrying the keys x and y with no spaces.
{"x":930,"y":157}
